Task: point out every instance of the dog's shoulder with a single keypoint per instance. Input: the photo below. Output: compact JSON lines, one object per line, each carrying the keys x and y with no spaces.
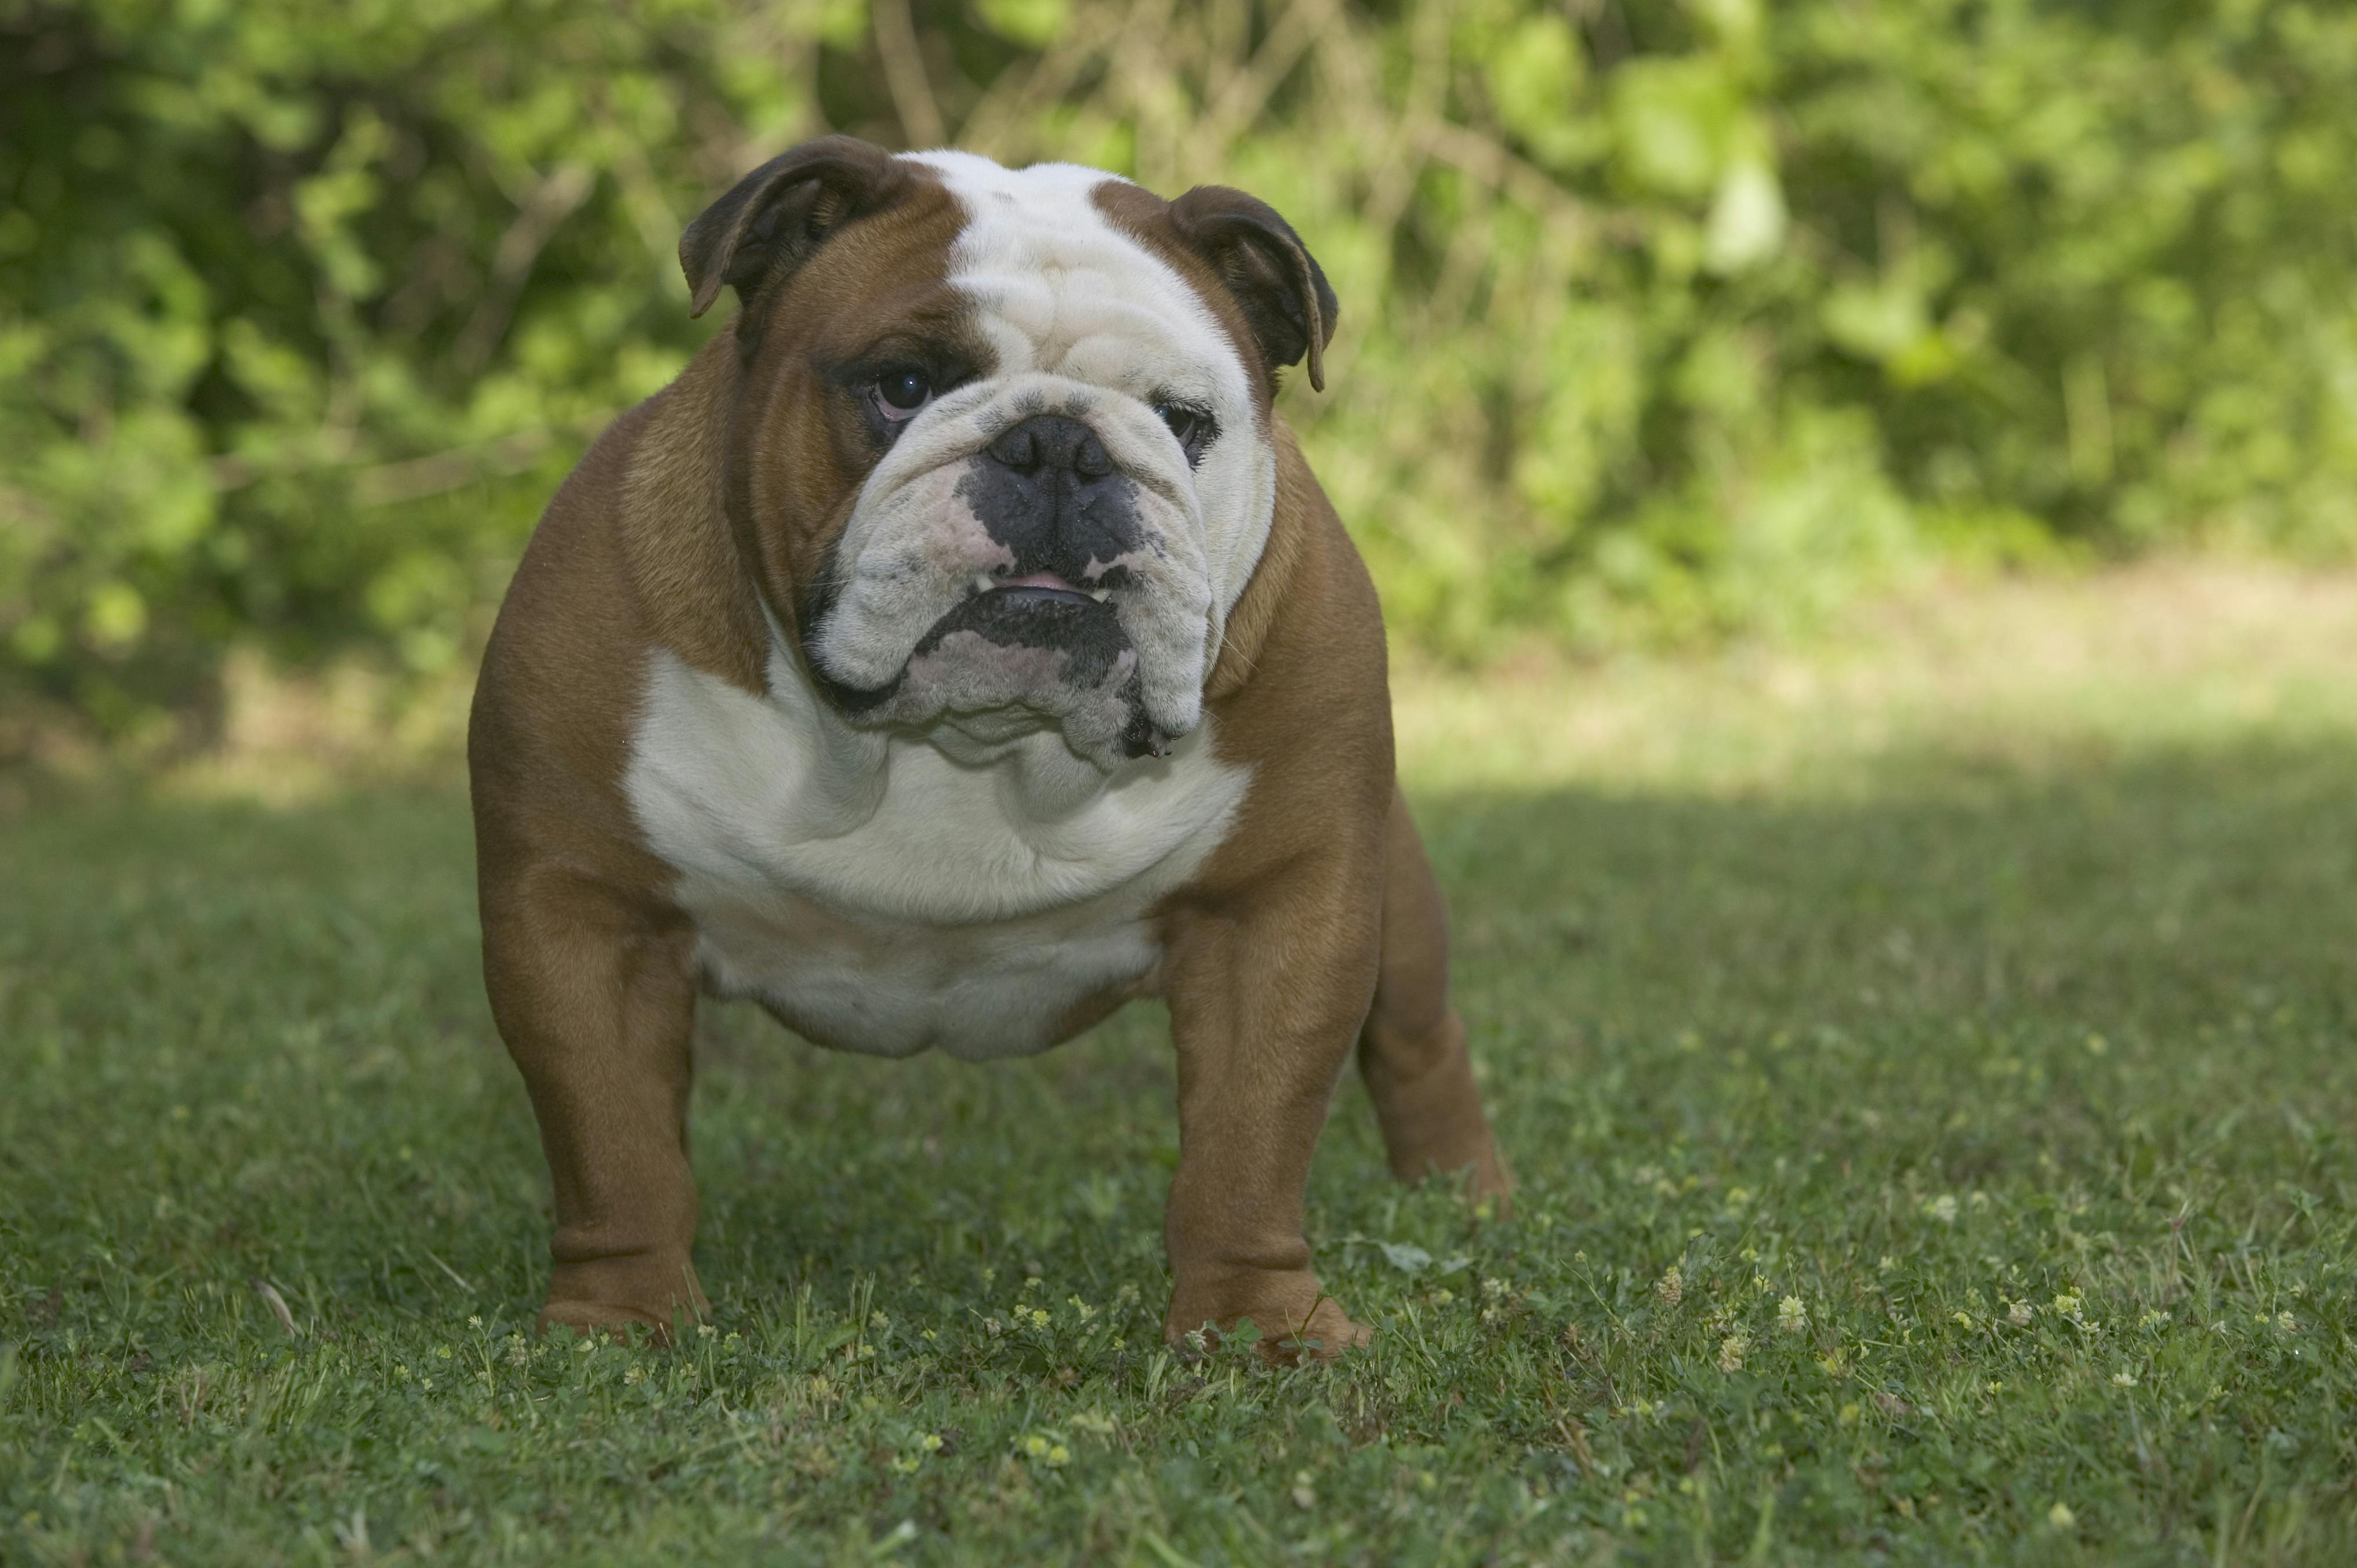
{"x":1301,"y":691}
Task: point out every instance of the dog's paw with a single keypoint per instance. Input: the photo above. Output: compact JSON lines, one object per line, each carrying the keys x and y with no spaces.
{"x":613,"y":1320}
{"x":1472,"y":1163}
{"x":1291,"y":1314}
{"x":615,"y":1291}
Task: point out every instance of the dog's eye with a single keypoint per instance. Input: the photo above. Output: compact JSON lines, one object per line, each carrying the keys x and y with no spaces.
{"x":1192,"y":427}
{"x":901,"y":394}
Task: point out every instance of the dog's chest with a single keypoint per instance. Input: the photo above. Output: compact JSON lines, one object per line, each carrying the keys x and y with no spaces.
{"x":880,"y":897}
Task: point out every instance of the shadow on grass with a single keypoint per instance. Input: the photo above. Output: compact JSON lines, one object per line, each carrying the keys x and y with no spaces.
{"x":253,"y":1040}
{"x":2156,"y":891}
{"x":2133,"y":943}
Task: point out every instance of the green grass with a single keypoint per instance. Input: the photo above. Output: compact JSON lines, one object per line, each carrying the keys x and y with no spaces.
{"x":2008,"y":957}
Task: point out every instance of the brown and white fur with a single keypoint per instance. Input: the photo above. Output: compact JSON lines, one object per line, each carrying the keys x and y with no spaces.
{"x":783,"y":703}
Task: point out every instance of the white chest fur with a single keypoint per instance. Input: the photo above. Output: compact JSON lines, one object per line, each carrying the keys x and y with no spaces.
{"x":883,"y":897}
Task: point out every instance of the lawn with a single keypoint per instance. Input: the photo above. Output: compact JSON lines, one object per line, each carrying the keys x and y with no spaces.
{"x":1927,"y":1058}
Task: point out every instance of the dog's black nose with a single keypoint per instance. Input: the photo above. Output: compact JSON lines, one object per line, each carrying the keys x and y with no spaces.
{"x":1047,"y":490}
{"x":1052,"y":442}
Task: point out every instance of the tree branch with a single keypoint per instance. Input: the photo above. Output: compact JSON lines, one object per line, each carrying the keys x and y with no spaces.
{"x":904,"y":75}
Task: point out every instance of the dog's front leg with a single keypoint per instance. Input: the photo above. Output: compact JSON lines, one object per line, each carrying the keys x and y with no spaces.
{"x":596,"y":1001}
{"x":1267,"y":990}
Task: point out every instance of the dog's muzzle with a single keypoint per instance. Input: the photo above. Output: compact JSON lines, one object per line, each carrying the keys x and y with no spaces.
{"x":1063,"y":598}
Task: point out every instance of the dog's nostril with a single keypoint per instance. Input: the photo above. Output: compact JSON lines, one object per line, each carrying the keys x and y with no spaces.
{"x":1017,"y":450}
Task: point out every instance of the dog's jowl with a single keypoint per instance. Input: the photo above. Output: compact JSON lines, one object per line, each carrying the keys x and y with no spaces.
{"x":957,"y":650}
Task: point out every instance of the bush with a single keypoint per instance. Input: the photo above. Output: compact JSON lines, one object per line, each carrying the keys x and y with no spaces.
{"x":1659,"y":320}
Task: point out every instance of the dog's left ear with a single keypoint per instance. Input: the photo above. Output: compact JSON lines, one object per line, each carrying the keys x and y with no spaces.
{"x":1274,"y":277}
{"x":772,"y":220}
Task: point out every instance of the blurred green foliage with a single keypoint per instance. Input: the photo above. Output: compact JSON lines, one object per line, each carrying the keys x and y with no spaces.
{"x":1660,"y":317}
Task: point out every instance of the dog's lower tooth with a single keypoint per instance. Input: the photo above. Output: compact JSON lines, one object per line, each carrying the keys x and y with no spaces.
{"x":1100,"y":594}
{"x":982,"y":581}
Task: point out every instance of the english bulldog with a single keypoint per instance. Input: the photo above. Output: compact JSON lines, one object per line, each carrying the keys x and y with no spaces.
{"x":958,"y":649}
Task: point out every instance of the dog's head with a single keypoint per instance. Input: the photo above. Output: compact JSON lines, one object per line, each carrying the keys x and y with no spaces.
{"x":1002,"y":453}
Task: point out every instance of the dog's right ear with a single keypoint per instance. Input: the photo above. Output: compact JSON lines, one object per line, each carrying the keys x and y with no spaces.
{"x":772,"y":220}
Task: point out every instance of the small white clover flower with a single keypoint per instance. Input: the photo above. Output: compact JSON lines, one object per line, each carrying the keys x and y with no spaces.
{"x":1942,"y":1209}
{"x":1672,"y":1286}
{"x":2020,"y":1312}
{"x":1730,"y":1352}
{"x":1791,"y":1314}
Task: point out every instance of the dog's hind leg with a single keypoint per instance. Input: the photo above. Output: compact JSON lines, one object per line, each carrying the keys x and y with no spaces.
{"x":1412,"y":1049}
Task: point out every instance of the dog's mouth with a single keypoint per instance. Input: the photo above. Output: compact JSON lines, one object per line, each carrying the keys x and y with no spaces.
{"x":1036,"y":640}
{"x":1024,"y":646}
{"x":1040,"y":588}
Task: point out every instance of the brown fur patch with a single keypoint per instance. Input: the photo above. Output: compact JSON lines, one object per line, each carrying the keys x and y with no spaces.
{"x":1145,"y":218}
{"x":798,"y":447}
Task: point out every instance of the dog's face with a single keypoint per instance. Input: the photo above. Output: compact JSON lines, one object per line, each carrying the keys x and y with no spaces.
{"x":1004,"y":454}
